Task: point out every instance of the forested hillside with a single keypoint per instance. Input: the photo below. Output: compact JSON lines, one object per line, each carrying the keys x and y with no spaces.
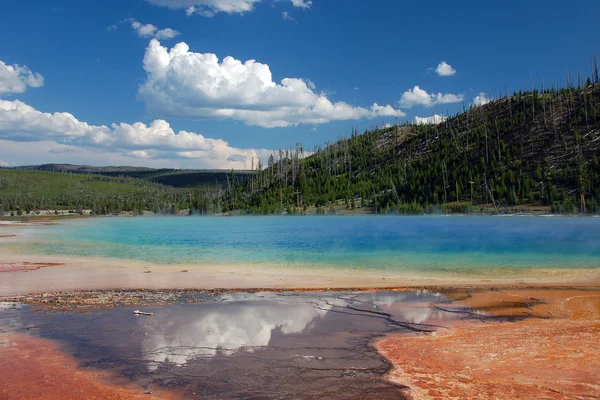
{"x":188,"y":178}
{"x":529,"y":149}
{"x":537,"y":148}
{"x":26,"y":191}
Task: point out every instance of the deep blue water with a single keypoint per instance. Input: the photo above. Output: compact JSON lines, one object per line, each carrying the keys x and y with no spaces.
{"x":435,"y":243}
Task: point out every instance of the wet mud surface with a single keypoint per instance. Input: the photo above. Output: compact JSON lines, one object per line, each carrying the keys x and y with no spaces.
{"x":227,"y":346}
{"x":407,"y":344}
{"x":35,"y":368}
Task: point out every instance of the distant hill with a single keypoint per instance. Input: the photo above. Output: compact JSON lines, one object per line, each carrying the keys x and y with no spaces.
{"x":528,"y":149}
{"x":29,"y":190}
{"x":170,"y":177}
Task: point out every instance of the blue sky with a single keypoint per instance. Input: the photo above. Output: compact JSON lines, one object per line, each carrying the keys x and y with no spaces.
{"x":351,"y":63}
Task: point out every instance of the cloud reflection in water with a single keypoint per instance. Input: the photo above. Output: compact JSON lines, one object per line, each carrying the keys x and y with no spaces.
{"x":177,"y":335}
{"x":241,"y":323}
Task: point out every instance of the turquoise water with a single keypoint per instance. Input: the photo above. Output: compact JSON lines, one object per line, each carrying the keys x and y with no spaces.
{"x":428,"y":243}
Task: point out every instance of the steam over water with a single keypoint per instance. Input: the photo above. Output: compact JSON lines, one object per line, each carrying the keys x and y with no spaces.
{"x":424,"y":244}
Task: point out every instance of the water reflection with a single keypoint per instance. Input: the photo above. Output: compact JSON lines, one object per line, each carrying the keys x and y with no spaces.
{"x":175,"y":336}
{"x":242,"y":322}
{"x":414,"y":306}
{"x":264,"y":345}
{"x":10,"y":317}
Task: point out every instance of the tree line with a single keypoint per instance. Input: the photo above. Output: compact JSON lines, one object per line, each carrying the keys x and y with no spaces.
{"x":29,"y":191}
{"x":530,"y":148}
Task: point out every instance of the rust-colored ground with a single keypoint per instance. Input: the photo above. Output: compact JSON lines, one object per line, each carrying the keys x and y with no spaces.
{"x":33,"y":368}
{"x":554,"y":355}
{"x":26,"y":266}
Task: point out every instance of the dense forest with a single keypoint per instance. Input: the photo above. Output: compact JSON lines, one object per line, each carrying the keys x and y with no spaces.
{"x":188,"y":178}
{"x":28,"y":191}
{"x":531,"y":148}
{"x":104,"y":190}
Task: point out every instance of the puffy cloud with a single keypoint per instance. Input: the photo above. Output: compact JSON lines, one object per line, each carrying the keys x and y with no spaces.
{"x":433,"y":120}
{"x":166,"y":33}
{"x":181,"y":83}
{"x":16,"y":78}
{"x":417,"y":96}
{"x":210,"y":8}
{"x":445,"y":69}
{"x":286,"y":16}
{"x":47,"y":151}
{"x":302,"y":3}
{"x":149,"y":30}
{"x":481,"y":99}
{"x":20,"y":122}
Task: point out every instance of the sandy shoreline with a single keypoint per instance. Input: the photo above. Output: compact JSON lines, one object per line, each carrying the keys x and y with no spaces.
{"x":21,"y":274}
{"x":48,"y":274}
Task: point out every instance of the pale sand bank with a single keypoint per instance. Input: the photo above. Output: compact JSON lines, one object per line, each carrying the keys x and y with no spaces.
{"x":78,"y":273}
{"x":25,"y":273}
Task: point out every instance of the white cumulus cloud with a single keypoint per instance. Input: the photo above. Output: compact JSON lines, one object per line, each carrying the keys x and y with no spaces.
{"x":19,"y":122}
{"x":445,"y":69}
{"x":420,"y":97}
{"x":302,"y":3}
{"x":481,"y":99}
{"x":210,"y":8}
{"x":16,"y":78}
{"x":149,"y":30}
{"x":433,"y":120}
{"x":181,"y":83}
